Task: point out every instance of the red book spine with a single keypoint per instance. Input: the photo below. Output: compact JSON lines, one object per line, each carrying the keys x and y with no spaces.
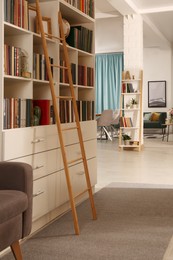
{"x":44,"y":105}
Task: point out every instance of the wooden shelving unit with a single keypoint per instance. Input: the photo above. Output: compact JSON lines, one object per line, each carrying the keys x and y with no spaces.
{"x":130,"y":113}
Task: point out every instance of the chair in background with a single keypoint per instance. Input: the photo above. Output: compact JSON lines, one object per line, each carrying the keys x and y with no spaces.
{"x":106,"y":122}
{"x":116,"y":123}
{"x":16,"y":193}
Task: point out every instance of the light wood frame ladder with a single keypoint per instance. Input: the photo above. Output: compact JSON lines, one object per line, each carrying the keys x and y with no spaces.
{"x":57,"y":118}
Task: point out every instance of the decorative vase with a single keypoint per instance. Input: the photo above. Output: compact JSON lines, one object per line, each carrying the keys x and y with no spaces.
{"x":126,"y":142}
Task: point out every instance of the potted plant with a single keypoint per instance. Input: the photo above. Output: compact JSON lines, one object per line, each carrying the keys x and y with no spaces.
{"x":126,"y":138}
{"x":133,"y":103}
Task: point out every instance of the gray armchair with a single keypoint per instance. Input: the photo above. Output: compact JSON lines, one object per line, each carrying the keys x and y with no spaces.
{"x":16,"y":192}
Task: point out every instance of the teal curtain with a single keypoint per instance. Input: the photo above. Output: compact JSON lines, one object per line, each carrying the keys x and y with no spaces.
{"x":109,"y":69}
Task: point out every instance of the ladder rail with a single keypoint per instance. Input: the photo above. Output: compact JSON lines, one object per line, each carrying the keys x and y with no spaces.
{"x":58,"y":123}
{"x":77,"y":117}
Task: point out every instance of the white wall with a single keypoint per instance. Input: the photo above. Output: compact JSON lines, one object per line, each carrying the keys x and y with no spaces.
{"x":157,"y":66}
{"x":109,"y":35}
{"x":157,"y":62}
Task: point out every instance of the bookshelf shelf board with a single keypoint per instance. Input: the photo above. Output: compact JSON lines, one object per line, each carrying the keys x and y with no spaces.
{"x":130,"y":109}
{"x":12,"y":30}
{"x":131,"y":94}
{"x":85,"y":87}
{"x":12,"y":78}
{"x":84,"y":53}
{"x":130,"y":80}
{"x":66,"y":85}
{"x":80,"y":52}
{"x":129,"y":146}
{"x":129,"y":128}
{"x":37,"y":81}
{"x":37,"y":39}
{"x":74,"y":15}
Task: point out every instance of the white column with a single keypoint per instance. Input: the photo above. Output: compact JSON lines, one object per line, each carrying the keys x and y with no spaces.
{"x":133,"y":43}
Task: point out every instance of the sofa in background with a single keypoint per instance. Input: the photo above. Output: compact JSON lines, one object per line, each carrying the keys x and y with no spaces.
{"x":154,"y":120}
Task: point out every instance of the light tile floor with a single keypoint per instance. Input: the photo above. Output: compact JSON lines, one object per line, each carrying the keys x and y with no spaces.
{"x":153,"y":165}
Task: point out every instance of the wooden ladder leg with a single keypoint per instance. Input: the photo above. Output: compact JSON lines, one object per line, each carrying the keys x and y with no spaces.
{"x":77,"y":117}
{"x":15,"y":248}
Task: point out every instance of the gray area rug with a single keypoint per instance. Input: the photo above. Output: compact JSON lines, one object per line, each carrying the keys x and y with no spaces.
{"x":133,"y":224}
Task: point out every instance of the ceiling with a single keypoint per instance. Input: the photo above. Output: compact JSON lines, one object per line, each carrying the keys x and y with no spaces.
{"x":157,"y":16}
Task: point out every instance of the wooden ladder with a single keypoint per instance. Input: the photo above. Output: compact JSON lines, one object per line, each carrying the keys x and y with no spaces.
{"x":57,"y":117}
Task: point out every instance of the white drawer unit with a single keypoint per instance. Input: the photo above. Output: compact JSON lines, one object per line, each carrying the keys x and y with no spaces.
{"x":44,"y":191}
{"x":74,"y":151}
{"x":78,"y":180}
{"x":43,"y":163}
{"x":78,"y":176}
{"x":88,"y":132}
{"x":21,"y":142}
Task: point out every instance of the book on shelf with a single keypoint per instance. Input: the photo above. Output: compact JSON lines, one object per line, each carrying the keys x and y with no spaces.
{"x":64,"y":72}
{"x":17,"y":113}
{"x":39,"y":66}
{"x":126,"y":122}
{"x":12,"y":60}
{"x":85,"y":110}
{"x":85,"y":6}
{"x":16,"y":12}
{"x":80,"y":38}
{"x":85,"y":76}
{"x":130,"y":88}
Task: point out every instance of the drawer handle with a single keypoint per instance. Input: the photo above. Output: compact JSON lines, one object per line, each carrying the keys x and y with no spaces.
{"x":38,"y":167}
{"x":38,"y":140}
{"x":38,"y":193}
{"x":81,"y":173}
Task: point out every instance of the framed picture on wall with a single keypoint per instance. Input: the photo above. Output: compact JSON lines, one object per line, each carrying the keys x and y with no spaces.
{"x":157,"y":93}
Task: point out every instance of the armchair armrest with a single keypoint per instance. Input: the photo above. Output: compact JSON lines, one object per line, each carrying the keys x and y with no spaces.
{"x":19,"y":176}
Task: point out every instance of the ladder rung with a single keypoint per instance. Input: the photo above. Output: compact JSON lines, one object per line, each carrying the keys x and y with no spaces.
{"x":53,"y":36}
{"x":65,"y":97}
{"x":76,"y":160}
{"x":58,"y":66}
{"x":70,"y":128}
{"x":81,"y":193}
{"x":32,"y":8}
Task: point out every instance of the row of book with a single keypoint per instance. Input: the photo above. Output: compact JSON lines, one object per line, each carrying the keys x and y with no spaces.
{"x":85,"y":74}
{"x":86,"y":110}
{"x":18,"y":112}
{"x":126,"y":122}
{"x":16,"y":12}
{"x":39,"y":66}
{"x":86,"y":6}
{"x":64,"y":72}
{"x":80,"y":38}
{"x":127,"y":88}
{"x":12,"y":60}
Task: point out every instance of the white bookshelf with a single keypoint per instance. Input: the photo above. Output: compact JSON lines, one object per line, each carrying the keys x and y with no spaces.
{"x":39,"y":145}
